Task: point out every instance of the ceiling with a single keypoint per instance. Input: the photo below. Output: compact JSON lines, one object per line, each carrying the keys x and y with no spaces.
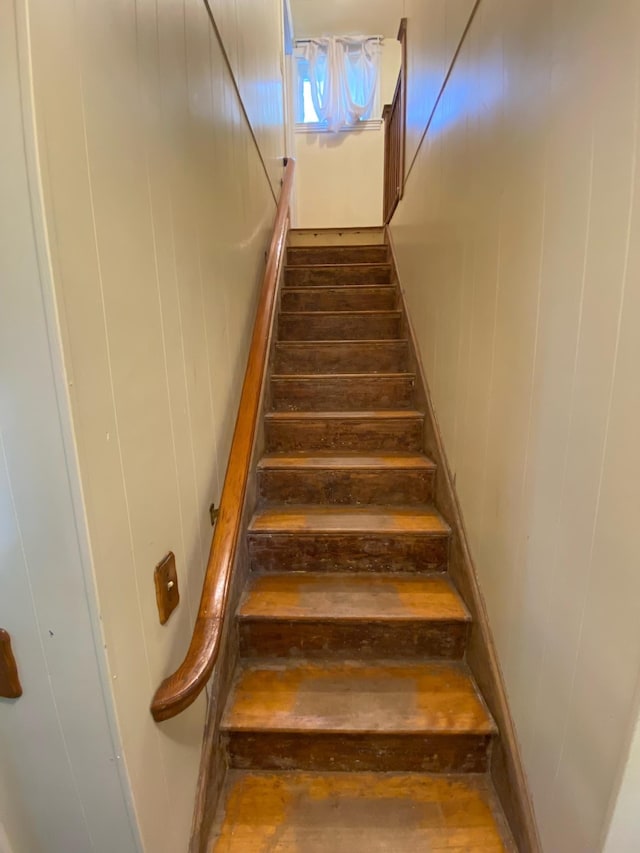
{"x":346,"y":17}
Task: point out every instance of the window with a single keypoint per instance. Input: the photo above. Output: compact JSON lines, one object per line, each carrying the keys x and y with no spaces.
{"x":337,"y":85}
{"x":305,"y":111}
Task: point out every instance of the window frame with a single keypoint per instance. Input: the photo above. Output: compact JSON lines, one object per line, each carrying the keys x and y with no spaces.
{"x":321,"y":127}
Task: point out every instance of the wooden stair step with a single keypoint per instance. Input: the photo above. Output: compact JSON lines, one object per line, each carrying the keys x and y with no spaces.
{"x":312,"y":614}
{"x":331,"y":274}
{"x":352,"y":597}
{"x":378,"y":297}
{"x":351,"y":461}
{"x":346,"y":715}
{"x":378,"y":519}
{"x":339,"y":325}
{"x":307,"y":255}
{"x":351,"y":478}
{"x":372,"y":538}
{"x":365,"y":431}
{"x":336,"y":391}
{"x":312,"y":812}
{"x":390,"y":356}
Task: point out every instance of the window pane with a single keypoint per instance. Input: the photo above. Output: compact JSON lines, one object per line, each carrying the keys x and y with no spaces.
{"x":299,"y":91}
{"x":309,"y":112}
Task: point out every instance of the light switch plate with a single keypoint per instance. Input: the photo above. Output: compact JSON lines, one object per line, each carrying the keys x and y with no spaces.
{"x":166,"y":581}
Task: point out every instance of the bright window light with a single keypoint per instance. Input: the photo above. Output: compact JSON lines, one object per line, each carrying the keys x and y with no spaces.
{"x":309,"y":112}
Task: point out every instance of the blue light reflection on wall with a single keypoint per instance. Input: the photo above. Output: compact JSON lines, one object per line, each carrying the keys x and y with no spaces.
{"x":462,"y":100}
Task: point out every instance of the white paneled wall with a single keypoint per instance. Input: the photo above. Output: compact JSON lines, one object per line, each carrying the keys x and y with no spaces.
{"x":62,"y":781}
{"x":252,"y":34}
{"x":434,"y":30}
{"x":624,"y":828}
{"x":159,"y":211}
{"x":518,"y":243}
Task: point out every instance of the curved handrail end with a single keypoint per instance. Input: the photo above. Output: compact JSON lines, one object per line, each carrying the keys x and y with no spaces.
{"x":181,"y":688}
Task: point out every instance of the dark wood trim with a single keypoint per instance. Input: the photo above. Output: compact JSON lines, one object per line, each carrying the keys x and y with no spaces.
{"x":391,"y":193}
{"x":402,"y":38}
{"x":10,"y":687}
{"x":506,"y":767}
{"x":180,"y":689}
{"x":394,"y":116}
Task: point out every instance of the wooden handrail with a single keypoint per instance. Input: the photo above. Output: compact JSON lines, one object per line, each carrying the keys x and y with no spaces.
{"x":181,"y":688}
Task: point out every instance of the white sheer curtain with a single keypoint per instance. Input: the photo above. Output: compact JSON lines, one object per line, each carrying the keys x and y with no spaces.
{"x":343,"y":73}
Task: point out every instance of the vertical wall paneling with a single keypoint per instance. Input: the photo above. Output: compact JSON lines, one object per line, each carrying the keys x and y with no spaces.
{"x":251,"y":32}
{"x":63,"y":784}
{"x":517,"y":243}
{"x":158,"y":213}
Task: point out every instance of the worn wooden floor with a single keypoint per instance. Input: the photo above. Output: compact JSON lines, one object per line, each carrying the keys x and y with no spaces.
{"x":383,"y":597}
{"x":357,"y":813}
{"x":337,"y":696}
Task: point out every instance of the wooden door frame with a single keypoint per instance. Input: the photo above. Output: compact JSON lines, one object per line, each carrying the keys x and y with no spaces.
{"x":399,"y":97}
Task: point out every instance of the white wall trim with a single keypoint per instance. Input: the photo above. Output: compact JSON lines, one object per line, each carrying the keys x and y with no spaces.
{"x":369,"y":124}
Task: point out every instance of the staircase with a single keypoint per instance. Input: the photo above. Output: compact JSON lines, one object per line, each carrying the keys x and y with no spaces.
{"x":353,"y":723}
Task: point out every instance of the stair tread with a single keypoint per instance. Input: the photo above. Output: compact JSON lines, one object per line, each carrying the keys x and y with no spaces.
{"x":381,"y":414}
{"x":318,"y":377}
{"x":342,"y":341}
{"x":375,"y":312}
{"x":332,"y":229}
{"x":357,"y":697}
{"x":340,"y":288}
{"x":335,"y":245}
{"x":294,"y":811}
{"x":348,"y":264}
{"x":348,"y":519}
{"x":346,"y":461}
{"x":323,"y":596}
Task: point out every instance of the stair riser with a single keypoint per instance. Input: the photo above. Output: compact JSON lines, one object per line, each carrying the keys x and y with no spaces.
{"x":338,"y":357}
{"x":350,"y":327}
{"x":360,"y":640}
{"x":344,"y":435}
{"x":337,"y":255}
{"x":310,"y":238}
{"x":358,"y":552}
{"x":383,"y":752}
{"x":340,"y":299}
{"x":331,"y":275}
{"x":340,"y":394}
{"x":316,"y":486}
